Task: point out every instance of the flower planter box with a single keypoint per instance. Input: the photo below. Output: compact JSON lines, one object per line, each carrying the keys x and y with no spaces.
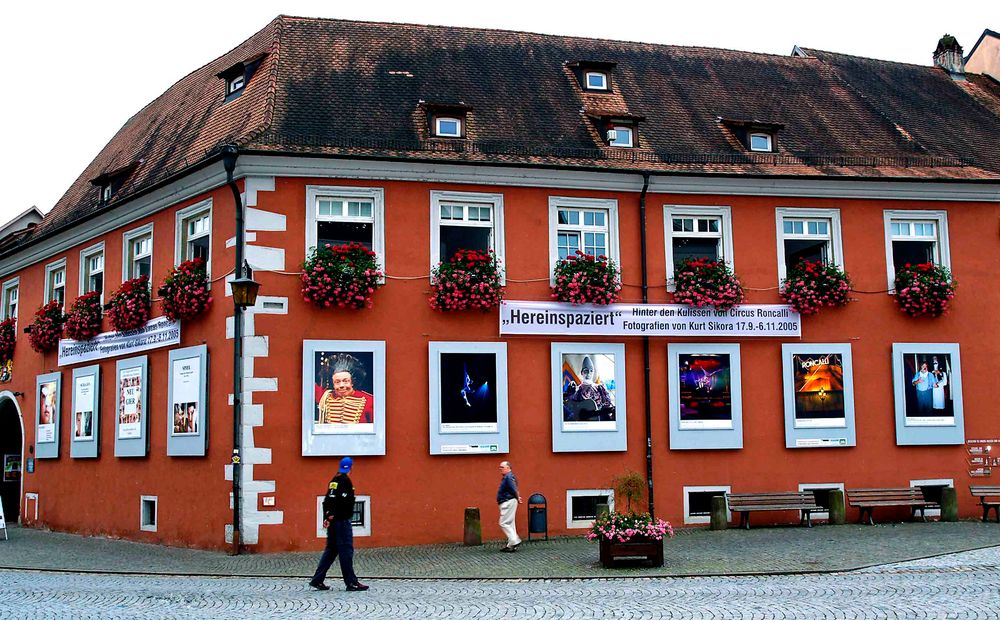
{"x":638,"y":547}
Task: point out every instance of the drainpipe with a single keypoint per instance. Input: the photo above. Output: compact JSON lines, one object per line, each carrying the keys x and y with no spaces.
{"x":229,"y":154}
{"x":645,"y":343}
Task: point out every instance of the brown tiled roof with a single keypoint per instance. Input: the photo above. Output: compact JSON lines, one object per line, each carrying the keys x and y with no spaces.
{"x":334,"y":87}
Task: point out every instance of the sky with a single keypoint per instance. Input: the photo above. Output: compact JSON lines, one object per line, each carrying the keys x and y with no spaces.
{"x":75,"y":72}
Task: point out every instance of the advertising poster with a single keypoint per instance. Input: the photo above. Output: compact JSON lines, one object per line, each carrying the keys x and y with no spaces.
{"x":186,"y":410}
{"x":927,"y":391}
{"x":705,"y":391}
{"x":343,"y":392}
{"x":130,"y":403}
{"x":11,"y":467}
{"x":83,"y":413}
{"x":48,"y":399}
{"x":819,"y":390}
{"x":468,"y":393}
{"x":588,"y":392}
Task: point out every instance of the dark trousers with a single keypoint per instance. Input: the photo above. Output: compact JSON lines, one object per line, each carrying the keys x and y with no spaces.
{"x":339,"y":541}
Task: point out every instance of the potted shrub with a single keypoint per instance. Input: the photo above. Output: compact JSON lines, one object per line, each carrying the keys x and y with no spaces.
{"x":342,"y":276}
{"x":586,"y":279}
{"x":185,"y":291}
{"x":129,"y":306}
{"x":83,"y":321}
{"x":811,"y":286}
{"x":631,"y":487}
{"x":630,"y":535}
{"x":44,"y":331}
{"x":924,"y":290}
{"x":703,"y":282}
{"x":8,"y":339}
{"x":469,"y":280}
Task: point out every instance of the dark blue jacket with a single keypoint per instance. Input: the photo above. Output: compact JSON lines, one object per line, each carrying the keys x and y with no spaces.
{"x":508,"y":488}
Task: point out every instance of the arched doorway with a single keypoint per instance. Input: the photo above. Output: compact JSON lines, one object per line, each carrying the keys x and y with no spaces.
{"x":11,"y":456}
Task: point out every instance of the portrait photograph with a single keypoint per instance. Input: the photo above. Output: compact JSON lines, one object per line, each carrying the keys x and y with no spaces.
{"x":48,"y":399}
{"x":83,"y":407}
{"x":344,"y":394}
{"x":818,"y":380}
{"x":186,"y":386}
{"x":927,"y":389}
{"x":468,"y":392}
{"x":705,"y":391}
{"x":588,"y":391}
{"x":130,"y":403}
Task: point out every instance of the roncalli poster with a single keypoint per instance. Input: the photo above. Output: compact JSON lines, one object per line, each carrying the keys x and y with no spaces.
{"x":48,"y":399}
{"x":705,"y":391}
{"x":344,"y":400}
{"x":186,"y":409}
{"x":84,"y":405}
{"x":130,"y":403}
{"x":927,"y":390}
{"x":588,"y":392}
{"x":818,"y":379}
{"x":468,"y":393}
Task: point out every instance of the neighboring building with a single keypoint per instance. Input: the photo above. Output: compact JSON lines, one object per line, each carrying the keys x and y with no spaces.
{"x":417,"y":140}
{"x":985,"y":55}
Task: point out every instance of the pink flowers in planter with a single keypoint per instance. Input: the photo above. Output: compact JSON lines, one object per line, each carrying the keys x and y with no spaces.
{"x":8,"y":339}
{"x":341,"y":276}
{"x":185,"y":291}
{"x":924,"y":290}
{"x":469,"y":280}
{"x":585,"y":279}
{"x":47,"y":327}
{"x":811,"y":286}
{"x":83,"y":321}
{"x":619,"y":527}
{"x":703,"y":282}
{"x":129,"y":306}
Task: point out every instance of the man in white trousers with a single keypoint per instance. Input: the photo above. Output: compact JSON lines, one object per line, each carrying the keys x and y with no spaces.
{"x":508,"y":498}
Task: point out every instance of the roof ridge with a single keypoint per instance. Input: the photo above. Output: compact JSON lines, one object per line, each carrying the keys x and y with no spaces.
{"x":813,"y":51}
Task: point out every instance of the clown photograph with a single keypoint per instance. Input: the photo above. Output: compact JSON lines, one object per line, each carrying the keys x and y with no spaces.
{"x":344,"y":401}
{"x":588,"y":391}
{"x":468,"y":392}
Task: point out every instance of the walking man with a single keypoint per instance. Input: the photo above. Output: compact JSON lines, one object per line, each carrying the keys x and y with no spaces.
{"x":508,"y":498}
{"x":338,"y":506}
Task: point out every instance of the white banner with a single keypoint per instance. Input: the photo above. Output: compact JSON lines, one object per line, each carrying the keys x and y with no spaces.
{"x":546,"y":318}
{"x":160,"y":332}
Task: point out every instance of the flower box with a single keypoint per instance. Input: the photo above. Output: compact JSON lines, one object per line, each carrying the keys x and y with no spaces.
{"x":129,"y":306}
{"x":469,"y":280}
{"x":813,"y":285}
{"x":702,"y":282}
{"x":47,"y":327}
{"x":185,"y":291}
{"x":586,"y":279}
{"x":924,"y":290}
{"x":341,"y":276}
{"x":644,"y":547}
{"x":83,"y":321}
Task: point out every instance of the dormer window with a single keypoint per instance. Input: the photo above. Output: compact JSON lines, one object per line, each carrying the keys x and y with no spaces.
{"x":596,"y":80}
{"x":760,"y":142}
{"x":235,"y":84}
{"x":110,"y":182}
{"x":447,"y":127}
{"x":238,"y":76}
{"x":106,"y":192}
{"x":620,"y":135}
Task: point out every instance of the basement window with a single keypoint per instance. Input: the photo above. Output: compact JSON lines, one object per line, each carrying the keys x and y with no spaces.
{"x":147,"y":513}
{"x":698,"y":502}
{"x":581,"y":505}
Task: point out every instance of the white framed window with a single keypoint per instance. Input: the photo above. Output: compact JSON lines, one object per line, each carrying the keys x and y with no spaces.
{"x":106,"y":192}
{"x":465,"y":221}
{"x":931,"y":488}
{"x":808,"y":234}
{"x":581,"y":505}
{"x":620,"y":135}
{"x":698,"y":503}
{"x":760,"y":142}
{"x":148,"y":513}
{"x":193,"y":238}
{"x":137,"y":253}
{"x":447,"y":127}
{"x":337,"y":215}
{"x":589,"y":225}
{"x":55,"y":281}
{"x":915,"y":237}
{"x":692,"y":231}
{"x":10,"y":293}
{"x":596,"y":80}
{"x":92,"y":270}
{"x":821,"y":492}
{"x":235,"y":84}
{"x":361,"y":520}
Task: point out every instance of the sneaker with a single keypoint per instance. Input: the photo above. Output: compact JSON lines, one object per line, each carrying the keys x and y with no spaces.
{"x":319,"y":586}
{"x":357,"y":587}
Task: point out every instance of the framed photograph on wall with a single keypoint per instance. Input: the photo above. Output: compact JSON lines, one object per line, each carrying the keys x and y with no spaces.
{"x":48,"y":407}
{"x":819,"y":395}
{"x":588,"y":397}
{"x":132,"y":407}
{"x":928,"y":390}
{"x":85,"y":418}
{"x":187,"y":402}
{"x":343,"y":397}
{"x":468,"y":397}
{"x":705,"y":396}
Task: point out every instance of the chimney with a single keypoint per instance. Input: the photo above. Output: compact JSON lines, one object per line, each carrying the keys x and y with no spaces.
{"x":948,"y":56}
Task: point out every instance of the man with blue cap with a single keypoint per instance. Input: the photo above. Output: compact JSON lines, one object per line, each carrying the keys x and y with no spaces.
{"x":338,"y":507}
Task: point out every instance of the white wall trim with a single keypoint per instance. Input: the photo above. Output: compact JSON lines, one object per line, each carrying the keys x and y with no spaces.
{"x":939,"y":217}
{"x":694,"y":520}
{"x":466,"y":198}
{"x":179,"y":217}
{"x":672,"y":210}
{"x":836,"y":235}
{"x":572,"y":523}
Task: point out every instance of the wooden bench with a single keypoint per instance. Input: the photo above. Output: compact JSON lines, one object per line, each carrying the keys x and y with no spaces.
{"x":984,"y":493}
{"x":865,"y":500}
{"x":745,"y":503}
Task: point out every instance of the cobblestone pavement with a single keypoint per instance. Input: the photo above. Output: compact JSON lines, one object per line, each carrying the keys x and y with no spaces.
{"x":964,"y":585}
{"x":692,"y":552}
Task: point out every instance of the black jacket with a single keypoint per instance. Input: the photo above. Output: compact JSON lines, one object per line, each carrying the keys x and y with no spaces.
{"x":339,"y":501}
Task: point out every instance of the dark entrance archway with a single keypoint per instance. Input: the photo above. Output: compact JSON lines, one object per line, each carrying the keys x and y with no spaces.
{"x":11,"y":457}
